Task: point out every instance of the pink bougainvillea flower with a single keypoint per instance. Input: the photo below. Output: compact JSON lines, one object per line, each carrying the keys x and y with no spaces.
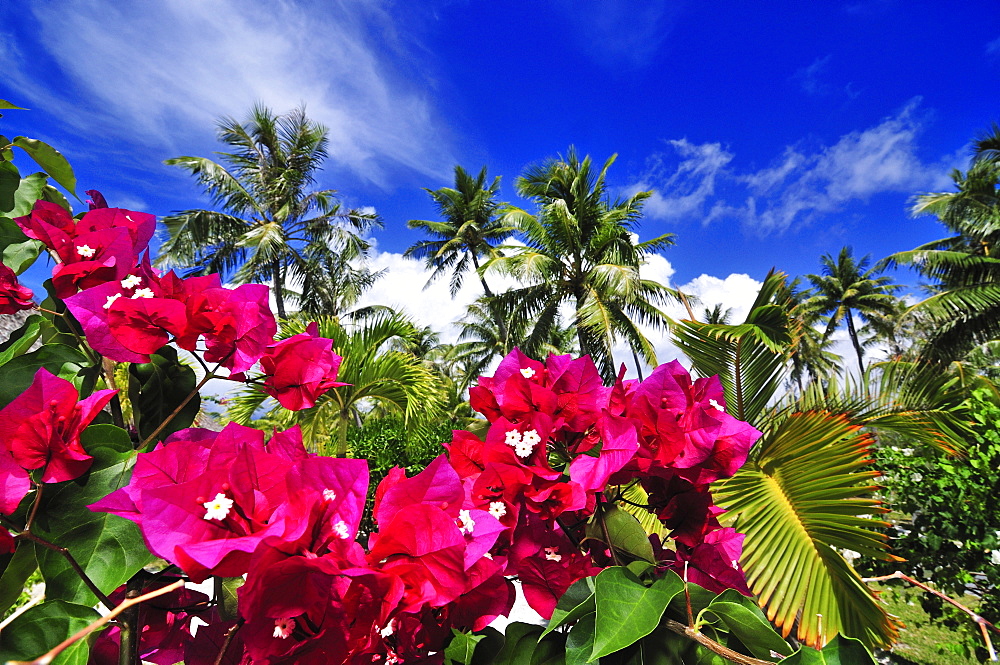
{"x":206,"y":501}
{"x":437,"y":485}
{"x":715,"y":563}
{"x":41,"y":427}
{"x":90,"y":307}
{"x":140,"y":225}
{"x":237,"y":325}
{"x":14,"y":482}
{"x":50,"y":223}
{"x":93,"y":258}
{"x":300,"y":368}
{"x":144,"y":325}
{"x":13,"y":295}
{"x":620,"y":443}
{"x":165,"y":624}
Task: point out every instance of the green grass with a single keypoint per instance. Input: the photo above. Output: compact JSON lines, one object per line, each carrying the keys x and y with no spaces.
{"x":925,"y":641}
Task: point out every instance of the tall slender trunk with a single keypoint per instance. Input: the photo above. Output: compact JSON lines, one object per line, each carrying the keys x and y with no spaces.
{"x":279,"y":287}
{"x":497,"y":314}
{"x":854,"y":340}
{"x":638,"y":365}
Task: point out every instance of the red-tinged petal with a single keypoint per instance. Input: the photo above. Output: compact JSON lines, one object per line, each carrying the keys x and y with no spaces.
{"x":13,"y":295}
{"x":437,"y":485}
{"x":465,"y":452}
{"x":145,"y":325}
{"x":543,"y":582}
{"x":90,"y":307}
{"x":620,"y":443}
{"x":139,"y":225}
{"x":14,"y":483}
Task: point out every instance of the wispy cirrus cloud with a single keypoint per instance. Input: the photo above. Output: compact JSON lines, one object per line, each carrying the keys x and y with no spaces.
{"x":161,"y":73}
{"x":799,"y":186}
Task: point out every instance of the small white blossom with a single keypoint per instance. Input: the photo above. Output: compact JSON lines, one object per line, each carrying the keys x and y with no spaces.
{"x":735,"y":564}
{"x":531,"y":438}
{"x":995,"y":557}
{"x":907,"y":451}
{"x":917,"y":477}
{"x":111,"y":300}
{"x":467,"y":523}
{"x":329,"y":495}
{"x":86,"y":251}
{"x":218,"y":508}
{"x":143,"y":293}
{"x":283,"y":628}
{"x":498,"y":509}
{"x":131,"y":281}
{"x":527,"y":372}
{"x":715,"y":405}
{"x":523,"y":450}
{"x":958,"y":543}
{"x":552,"y":554}
{"x":851,"y":555}
{"x":341,"y":531}
{"x":388,"y":630}
{"x":512,"y":438}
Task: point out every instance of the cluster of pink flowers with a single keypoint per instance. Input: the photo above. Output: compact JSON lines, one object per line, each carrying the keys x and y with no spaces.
{"x":451,"y":538}
{"x":128,"y":310}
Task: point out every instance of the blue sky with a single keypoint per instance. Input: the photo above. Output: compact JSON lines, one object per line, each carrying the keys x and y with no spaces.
{"x":770,"y":133}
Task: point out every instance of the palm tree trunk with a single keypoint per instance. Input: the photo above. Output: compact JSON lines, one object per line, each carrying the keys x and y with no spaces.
{"x":497,"y":314}
{"x":341,"y":450}
{"x":854,"y":340}
{"x":279,"y":287}
{"x":638,"y":366}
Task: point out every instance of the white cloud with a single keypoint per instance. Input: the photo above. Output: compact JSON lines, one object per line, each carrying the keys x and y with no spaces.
{"x":691,"y":183}
{"x":165,"y":71}
{"x":621,"y":33}
{"x":800,"y":185}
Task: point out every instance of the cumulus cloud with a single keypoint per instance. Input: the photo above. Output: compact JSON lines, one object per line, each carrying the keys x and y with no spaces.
{"x":801,"y":184}
{"x":173,"y":67}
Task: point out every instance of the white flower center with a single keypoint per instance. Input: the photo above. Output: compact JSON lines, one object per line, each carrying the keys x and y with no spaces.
{"x":86,"y":251}
{"x":388,"y":630}
{"x":498,"y":509}
{"x":329,"y":495}
{"x":218,"y":508}
{"x":527,"y":372}
{"x":552,"y":554}
{"x":283,"y":628}
{"x":512,"y":438}
{"x":143,"y":293}
{"x":715,"y":405}
{"x":111,"y":300}
{"x":131,"y":281}
{"x":341,"y":531}
{"x":466,"y":523}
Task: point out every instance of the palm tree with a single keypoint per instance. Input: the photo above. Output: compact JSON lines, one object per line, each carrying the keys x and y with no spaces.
{"x":380,"y":373}
{"x":806,"y":491}
{"x":847,"y":286}
{"x":580,"y":249}
{"x":273,"y":227}
{"x":471,"y":229}
{"x":964,"y":310}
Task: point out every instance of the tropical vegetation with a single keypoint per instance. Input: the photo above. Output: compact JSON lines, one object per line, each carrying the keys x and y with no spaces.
{"x":740,"y":513}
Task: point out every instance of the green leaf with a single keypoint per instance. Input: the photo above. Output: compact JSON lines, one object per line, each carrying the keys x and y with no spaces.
{"x":624,"y":530}
{"x":109,"y":548}
{"x":63,"y":361}
{"x":18,"y":569}
{"x":551,"y":650}
{"x":53,"y":195}
{"x":230,"y":587}
{"x":743,"y":618}
{"x":51,"y":161}
{"x":19,"y":251}
{"x":10,"y":178}
{"x":580,"y":641}
{"x":44,"y":626}
{"x":21,"y":339}
{"x":157,"y":388}
{"x":576,"y":602}
{"x":520,"y":641}
{"x":29,"y":190}
{"x":462,"y":647}
{"x":840,"y":651}
{"x":5,"y":105}
{"x":627,"y":610}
